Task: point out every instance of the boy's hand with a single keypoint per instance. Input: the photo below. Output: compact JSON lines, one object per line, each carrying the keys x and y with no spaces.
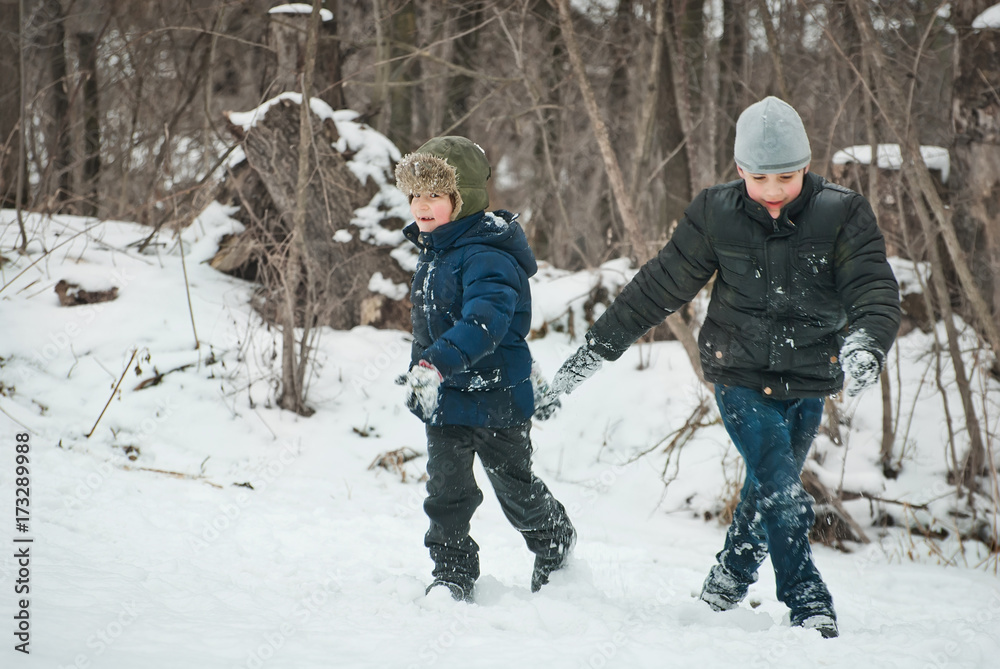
{"x":578,"y":368}
{"x":546,"y":405}
{"x":546,"y":402}
{"x":422,"y":383}
{"x":862,"y":369}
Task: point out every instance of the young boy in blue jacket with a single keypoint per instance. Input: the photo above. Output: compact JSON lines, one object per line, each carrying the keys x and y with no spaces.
{"x":470,"y":378}
{"x":803,"y":296}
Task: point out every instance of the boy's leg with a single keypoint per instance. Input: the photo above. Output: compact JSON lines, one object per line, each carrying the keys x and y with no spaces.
{"x":452,"y":499}
{"x":744,"y":551}
{"x":746,"y":544}
{"x":765,"y":432}
{"x":525,"y":499}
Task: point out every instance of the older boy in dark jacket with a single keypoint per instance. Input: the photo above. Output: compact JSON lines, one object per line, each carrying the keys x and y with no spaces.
{"x":470,"y":375}
{"x":803,"y":293}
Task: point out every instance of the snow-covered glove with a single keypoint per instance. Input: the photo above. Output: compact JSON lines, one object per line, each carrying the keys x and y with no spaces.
{"x":546,"y":402}
{"x":578,"y":368}
{"x":422,"y":382}
{"x":861,"y":368}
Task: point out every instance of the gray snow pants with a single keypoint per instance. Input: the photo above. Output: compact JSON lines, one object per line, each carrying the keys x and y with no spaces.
{"x":453,"y":496}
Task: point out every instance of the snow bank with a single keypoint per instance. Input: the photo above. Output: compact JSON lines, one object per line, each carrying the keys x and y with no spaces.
{"x":989,"y":19}
{"x":301,"y":8}
{"x":890,"y":157}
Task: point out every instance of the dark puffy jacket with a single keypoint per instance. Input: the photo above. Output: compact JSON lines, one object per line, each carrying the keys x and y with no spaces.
{"x":786,"y":292}
{"x":471,"y":314}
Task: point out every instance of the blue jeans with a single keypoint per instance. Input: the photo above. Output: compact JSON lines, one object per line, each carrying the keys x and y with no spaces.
{"x":775,"y":512}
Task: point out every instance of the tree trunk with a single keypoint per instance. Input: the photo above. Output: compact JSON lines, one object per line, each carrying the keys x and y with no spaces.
{"x":300,"y":270}
{"x":59,"y":138}
{"x":331,"y":61}
{"x":10,"y":104}
{"x":733,"y":94}
{"x":461,"y":87}
{"x":975,"y":150}
{"x":552,"y":234}
{"x":91,"y":124}
{"x":685,"y":26}
{"x":405,"y":70}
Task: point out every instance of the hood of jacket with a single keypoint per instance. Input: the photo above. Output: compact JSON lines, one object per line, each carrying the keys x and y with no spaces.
{"x":498,"y":229}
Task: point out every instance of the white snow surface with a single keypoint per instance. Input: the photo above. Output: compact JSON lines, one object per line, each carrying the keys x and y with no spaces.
{"x":173,"y":560}
{"x":387,"y":287}
{"x":990,"y":18}
{"x":300,"y":8}
{"x":890,"y":157}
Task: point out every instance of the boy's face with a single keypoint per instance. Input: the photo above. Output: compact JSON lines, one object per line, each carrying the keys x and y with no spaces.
{"x":773,"y":191}
{"x":431,"y":210}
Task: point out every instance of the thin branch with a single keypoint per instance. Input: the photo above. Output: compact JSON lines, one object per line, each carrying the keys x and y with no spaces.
{"x":113,"y":392}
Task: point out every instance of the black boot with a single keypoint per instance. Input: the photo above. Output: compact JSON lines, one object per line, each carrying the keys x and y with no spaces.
{"x":458,"y":592}
{"x":824,"y":624}
{"x":544,"y":566}
{"x":721,"y":590}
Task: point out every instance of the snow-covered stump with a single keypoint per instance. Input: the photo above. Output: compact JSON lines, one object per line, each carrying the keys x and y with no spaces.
{"x":354,"y":215}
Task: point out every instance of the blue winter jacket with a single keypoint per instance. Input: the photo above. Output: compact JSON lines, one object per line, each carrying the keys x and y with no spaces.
{"x":471,"y":314}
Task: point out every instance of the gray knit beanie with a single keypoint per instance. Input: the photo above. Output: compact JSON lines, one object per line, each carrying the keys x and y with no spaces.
{"x":770,"y":138}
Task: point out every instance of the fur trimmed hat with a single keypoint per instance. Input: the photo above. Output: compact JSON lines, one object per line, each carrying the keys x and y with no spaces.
{"x":770,"y":138}
{"x":453,"y":165}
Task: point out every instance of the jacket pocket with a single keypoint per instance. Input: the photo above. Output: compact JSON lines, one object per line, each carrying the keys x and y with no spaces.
{"x":477,"y":379}
{"x":741,"y":276}
{"x":814,"y":259}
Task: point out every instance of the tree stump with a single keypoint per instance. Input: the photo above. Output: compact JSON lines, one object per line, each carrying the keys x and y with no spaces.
{"x":341,"y":263}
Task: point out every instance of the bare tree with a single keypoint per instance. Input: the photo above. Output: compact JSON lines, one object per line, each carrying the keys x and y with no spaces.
{"x":934,"y":220}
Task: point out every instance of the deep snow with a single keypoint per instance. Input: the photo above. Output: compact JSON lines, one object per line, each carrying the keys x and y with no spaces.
{"x":321,"y":563}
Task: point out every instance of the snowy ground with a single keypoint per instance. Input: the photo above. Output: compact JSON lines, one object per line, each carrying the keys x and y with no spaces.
{"x":321,"y":562}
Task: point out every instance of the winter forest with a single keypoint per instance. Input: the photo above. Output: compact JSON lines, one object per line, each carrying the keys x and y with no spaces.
{"x":205,"y":292}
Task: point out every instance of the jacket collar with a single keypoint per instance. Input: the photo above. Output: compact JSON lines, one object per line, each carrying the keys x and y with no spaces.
{"x":789,"y":212}
{"x":443,"y":236}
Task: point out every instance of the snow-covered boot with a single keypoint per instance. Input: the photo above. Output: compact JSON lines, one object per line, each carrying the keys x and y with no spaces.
{"x":722,"y":591}
{"x":544,"y":566}
{"x":458,"y":593}
{"x":824,"y":624}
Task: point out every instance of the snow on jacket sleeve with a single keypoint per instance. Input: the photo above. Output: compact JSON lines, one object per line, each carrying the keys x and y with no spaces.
{"x":865,"y":281}
{"x":662,"y":286}
{"x":490,"y":288}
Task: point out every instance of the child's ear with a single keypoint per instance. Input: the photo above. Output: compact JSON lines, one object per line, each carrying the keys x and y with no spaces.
{"x":739,"y":170}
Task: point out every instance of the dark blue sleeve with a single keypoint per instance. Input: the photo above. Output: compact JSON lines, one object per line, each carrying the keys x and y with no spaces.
{"x":491,"y":285}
